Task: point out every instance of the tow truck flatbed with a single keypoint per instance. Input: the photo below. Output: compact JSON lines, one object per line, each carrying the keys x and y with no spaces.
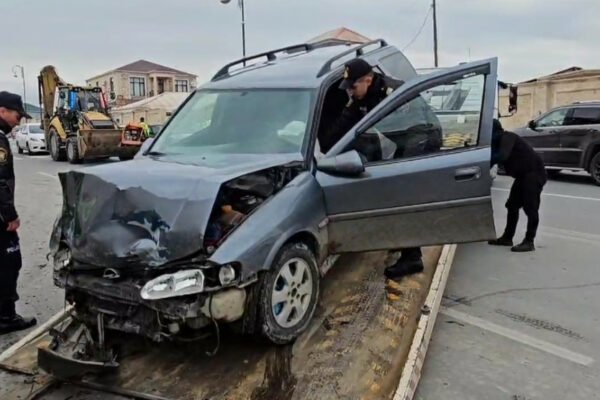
{"x":367,"y":340}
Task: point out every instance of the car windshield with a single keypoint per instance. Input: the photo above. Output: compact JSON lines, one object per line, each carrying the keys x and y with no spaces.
{"x":226,"y":122}
{"x":35,"y":129}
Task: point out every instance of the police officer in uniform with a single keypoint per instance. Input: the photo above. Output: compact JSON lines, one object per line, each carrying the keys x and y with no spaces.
{"x":11,"y":112}
{"x":521,"y":162}
{"x":367,"y":89}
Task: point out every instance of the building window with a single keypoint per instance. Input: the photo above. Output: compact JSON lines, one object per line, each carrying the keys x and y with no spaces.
{"x":137,"y":87}
{"x":181,"y":85}
{"x":112,"y":85}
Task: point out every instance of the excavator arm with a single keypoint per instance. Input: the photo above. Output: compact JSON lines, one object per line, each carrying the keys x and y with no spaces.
{"x":48,"y":81}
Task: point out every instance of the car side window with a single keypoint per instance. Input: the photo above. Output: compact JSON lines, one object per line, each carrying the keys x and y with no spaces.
{"x":442,"y":118}
{"x":555,"y":118}
{"x":584,"y":116}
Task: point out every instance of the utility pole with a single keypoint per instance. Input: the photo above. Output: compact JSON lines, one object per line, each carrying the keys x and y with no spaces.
{"x":435,"y":37}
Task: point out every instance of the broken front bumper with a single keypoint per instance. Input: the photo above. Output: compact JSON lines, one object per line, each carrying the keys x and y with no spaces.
{"x":123,"y":308}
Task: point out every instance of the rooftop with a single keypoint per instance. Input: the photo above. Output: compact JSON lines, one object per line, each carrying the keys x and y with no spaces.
{"x":145,"y":67}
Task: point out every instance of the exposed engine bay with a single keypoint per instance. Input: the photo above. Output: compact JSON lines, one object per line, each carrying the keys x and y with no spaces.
{"x":162,"y":302}
{"x":238,"y":198}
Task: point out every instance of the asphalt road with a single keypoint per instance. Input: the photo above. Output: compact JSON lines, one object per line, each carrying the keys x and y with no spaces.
{"x":524,"y":326}
{"x":513,"y":326}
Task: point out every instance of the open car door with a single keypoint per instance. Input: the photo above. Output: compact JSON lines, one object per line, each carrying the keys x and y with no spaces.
{"x":426,"y":156}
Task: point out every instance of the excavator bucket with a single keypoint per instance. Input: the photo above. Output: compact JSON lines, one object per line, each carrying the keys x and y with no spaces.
{"x":94,"y":143}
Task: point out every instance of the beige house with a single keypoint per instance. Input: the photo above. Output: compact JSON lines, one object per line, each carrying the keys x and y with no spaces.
{"x":155,"y":110}
{"x":140,"y":80}
{"x":537,"y":96}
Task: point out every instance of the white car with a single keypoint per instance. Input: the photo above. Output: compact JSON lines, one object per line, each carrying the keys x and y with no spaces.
{"x":30,"y":137}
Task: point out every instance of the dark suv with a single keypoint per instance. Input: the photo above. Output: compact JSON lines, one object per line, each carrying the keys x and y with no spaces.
{"x":567,"y":137}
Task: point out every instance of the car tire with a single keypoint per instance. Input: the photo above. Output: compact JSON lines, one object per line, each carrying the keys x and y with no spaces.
{"x":125,"y":158}
{"x":595,"y":168}
{"x":553,"y":173}
{"x":293,"y":278}
{"x":54,"y":149}
{"x":29,"y":149}
{"x":73,"y":151}
{"x":19,"y":149}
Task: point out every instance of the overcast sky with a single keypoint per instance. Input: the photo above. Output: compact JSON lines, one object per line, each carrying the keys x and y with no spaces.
{"x":83,"y":38}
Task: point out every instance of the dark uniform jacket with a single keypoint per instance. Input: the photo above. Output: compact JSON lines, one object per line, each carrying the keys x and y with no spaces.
{"x":356,"y":109}
{"x":516,"y":156}
{"x":7,"y":179}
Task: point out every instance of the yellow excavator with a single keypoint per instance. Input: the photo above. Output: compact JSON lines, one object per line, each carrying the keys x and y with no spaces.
{"x":77,"y":124}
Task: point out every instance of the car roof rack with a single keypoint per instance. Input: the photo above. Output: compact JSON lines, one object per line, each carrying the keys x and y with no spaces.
{"x":358,"y":50}
{"x":271,"y":55}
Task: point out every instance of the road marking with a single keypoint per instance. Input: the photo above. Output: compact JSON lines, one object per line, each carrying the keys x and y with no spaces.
{"x":48,"y":175}
{"x":566,"y":196}
{"x":578,"y":236}
{"x":518,"y":337}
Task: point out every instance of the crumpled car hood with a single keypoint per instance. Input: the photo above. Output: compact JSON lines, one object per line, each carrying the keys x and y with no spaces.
{"x":143,"y":211}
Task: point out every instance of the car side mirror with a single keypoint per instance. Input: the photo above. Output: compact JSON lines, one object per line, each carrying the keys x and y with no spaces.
{"x":349,"y":163}
{"x":532,"y":125}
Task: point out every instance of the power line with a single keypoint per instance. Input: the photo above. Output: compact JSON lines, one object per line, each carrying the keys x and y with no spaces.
{"x":420,"y":29}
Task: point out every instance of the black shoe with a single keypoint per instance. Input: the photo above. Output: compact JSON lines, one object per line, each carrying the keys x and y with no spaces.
{"x":525,"y":245}
{"x":16,"y":323}
{"x":501,"y":241}
{"x":402,"y":268}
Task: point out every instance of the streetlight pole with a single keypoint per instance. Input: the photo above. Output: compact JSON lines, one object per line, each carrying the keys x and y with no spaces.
{"x":14,"y":68}
{"x":241,"y":6}
{"x":241,"y":3}
{"x":435,"y":35}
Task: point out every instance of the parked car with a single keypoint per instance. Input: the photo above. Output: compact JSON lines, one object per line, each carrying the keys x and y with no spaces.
{"x":155,"y":129}
{"x":13,"y":132}
{"x":567,"y":138}
{"x":229,"y":215}
{"x":30,"y":137}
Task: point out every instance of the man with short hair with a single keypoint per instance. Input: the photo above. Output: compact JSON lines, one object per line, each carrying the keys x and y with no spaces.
{"x":11,"y":112}
{"x":367,"y":89}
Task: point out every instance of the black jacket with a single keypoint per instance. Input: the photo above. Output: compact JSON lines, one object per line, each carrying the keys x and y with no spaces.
{"x":356,"y":109}
{"x":515,"y":156}
{"x":7,"y":179}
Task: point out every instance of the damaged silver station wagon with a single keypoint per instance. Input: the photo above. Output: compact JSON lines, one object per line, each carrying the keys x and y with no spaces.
{"x":232,"y":213}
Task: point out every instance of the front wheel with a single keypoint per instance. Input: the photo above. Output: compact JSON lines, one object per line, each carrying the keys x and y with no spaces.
{"x":54,"y":149}
{"x":19,"y":149}
{"x":73,"y":151}
{"x":289,"y":294}
{"x":595,"y":168}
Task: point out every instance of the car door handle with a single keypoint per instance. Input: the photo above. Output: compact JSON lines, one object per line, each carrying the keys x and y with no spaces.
{"x":467,"y":174}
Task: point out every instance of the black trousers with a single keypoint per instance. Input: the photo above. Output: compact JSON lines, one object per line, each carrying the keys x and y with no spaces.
{"x":10,"y":264}
{"x":525,"y":193}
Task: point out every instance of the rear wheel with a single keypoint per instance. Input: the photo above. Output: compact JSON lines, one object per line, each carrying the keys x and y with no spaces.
{"x":73,"y":151}
{"x":54,"y":149}
{"x":288,"y":295}
{"x":595,"y":168}
{"x":553,"y":173}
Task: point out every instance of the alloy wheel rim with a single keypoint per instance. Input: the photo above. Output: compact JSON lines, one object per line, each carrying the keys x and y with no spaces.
{"x":292,"y":292}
